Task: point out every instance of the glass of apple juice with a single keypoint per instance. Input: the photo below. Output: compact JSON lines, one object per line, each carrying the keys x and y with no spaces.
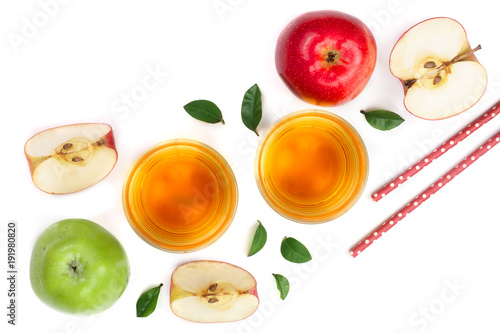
{"x":180,"y":196}
{"x":311,"y":166}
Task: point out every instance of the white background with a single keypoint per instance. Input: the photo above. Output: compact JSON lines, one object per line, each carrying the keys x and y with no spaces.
{"x":434,"y":272}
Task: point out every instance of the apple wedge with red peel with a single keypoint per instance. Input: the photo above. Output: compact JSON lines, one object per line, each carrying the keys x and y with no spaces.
{"x":70,"y":158}
{"x":440,"y":73}
{"x":212,"y":292}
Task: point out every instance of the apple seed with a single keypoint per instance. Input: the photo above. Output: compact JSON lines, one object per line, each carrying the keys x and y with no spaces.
{"x":213,"y":300}
{"x":67,"y":146}
{"x":430,"y":64}
{"x":436,"y":80}
{"x":213,"y":287}
{"x":77,"y":159}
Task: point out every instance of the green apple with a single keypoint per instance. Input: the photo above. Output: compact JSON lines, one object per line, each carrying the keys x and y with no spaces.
{"x":78,"y":267}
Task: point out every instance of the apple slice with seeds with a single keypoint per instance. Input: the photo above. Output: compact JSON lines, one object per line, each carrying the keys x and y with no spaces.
{"x":71,"y":158}
{"x":212,"y":292}
{"x":439,"y":70}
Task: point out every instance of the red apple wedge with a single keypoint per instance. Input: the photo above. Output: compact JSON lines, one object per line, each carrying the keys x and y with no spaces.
{"x":440,"y":73}
{"x":212,"y":292}
{"x":71,"y":158}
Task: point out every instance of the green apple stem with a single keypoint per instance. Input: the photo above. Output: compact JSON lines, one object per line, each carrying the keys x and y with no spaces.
{"x":75,"y":268}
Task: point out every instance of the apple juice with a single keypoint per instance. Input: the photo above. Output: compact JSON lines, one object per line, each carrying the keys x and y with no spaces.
{"x":311,"y":166}
{"x":180,"y":196}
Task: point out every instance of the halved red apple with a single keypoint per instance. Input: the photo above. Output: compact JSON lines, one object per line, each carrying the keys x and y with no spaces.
{"x":212,"y":292}
{"x":439,"y":71}
{"x":71,"y":158}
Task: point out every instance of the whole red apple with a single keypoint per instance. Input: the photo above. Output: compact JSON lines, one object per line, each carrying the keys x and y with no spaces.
{"x":326,"y":57}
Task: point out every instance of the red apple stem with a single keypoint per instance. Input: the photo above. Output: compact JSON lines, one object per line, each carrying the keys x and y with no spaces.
{"x":465,"y":55}
{"x":331,"y":57}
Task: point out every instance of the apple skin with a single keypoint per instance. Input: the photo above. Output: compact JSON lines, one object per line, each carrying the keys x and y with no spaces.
{"x":326,"y":57}
{"x":102,"y":260}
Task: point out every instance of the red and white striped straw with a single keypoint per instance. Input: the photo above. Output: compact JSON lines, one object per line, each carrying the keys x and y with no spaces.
{"x":450,"y":143}
{"x":412,"y":205}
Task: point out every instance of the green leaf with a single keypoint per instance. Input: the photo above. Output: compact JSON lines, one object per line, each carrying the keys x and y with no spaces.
{"x":251,"y":108}
{"x":383,"y":120}
{"x":146,"y":304}
{"x":259,"y":240}
{"x":282,"y":284}
{"x":205,"y":111}
{"x":294,"y":251}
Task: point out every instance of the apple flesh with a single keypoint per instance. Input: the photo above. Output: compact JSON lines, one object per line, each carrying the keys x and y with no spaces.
{"x":326,"y":57}
{"x":78,"y":267}
{"x":439,"y":71}
{"x":212,"y":292}
{"x":71,"y":158}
